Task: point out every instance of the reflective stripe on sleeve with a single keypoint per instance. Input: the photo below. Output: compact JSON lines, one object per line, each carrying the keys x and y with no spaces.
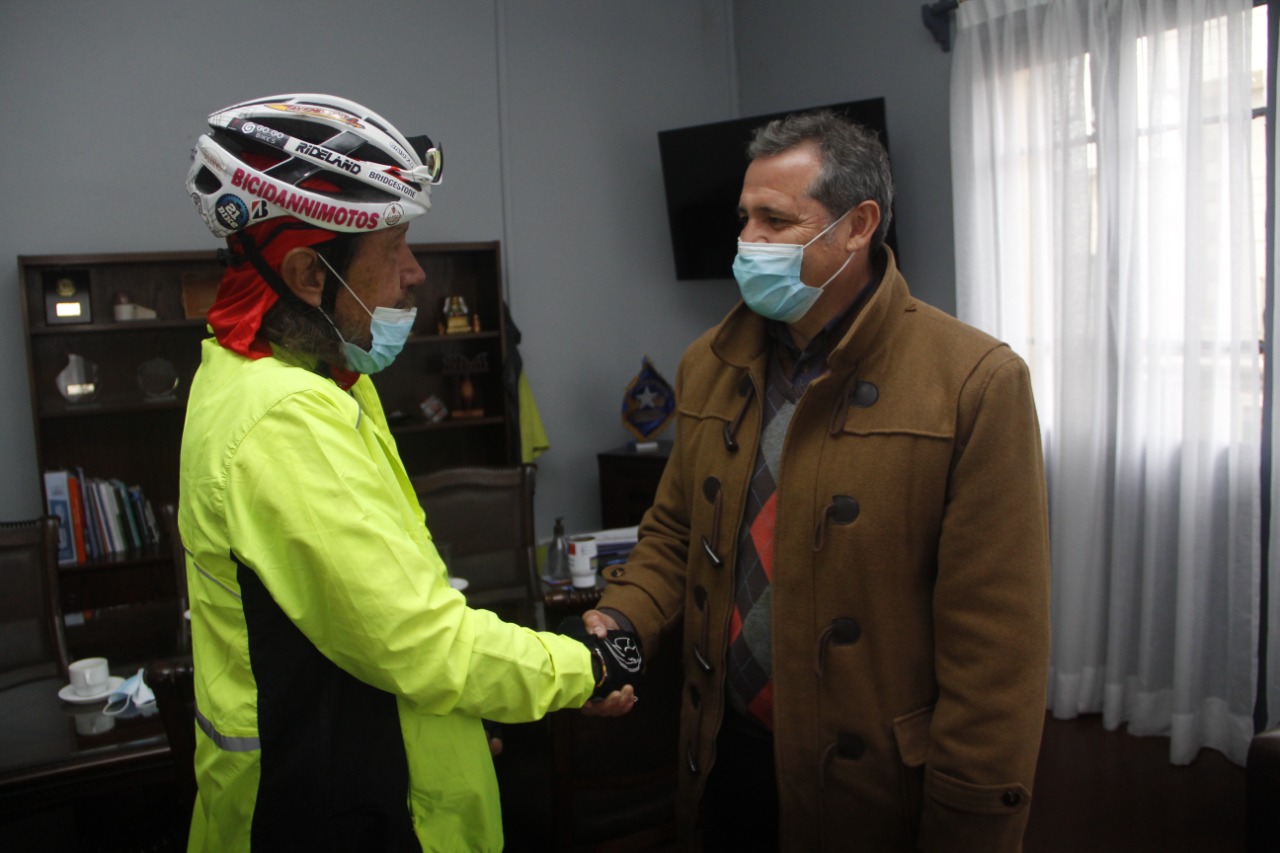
{"x":230,"y":744}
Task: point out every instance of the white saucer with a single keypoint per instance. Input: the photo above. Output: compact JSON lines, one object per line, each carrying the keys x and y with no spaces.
{"x":68,"y":693}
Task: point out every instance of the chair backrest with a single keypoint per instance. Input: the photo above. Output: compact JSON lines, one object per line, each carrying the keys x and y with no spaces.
{"x":32,"y":640}
{"x":482,"y":522}
{"x":182,"y":625}
{"x":173,"y":682}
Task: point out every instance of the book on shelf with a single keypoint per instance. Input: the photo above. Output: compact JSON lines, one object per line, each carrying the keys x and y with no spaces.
{"x":100,"y":517}
{"x":57,"y":494}
{"x":109,"y":517}
{"x":146,"y":516}
{"x":103,"y":517}
{"x":93,"y":518}
{"x":93,"y":545}
{"x":128,"y":522}
{"x":77,"y":517}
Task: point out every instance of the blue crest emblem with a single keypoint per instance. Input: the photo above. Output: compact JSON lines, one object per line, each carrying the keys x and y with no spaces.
{"x":649,"y":403}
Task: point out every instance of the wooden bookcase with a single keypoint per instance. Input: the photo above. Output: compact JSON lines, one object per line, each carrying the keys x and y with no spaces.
{"x":430,"y":362}
{"x":121,"y":432}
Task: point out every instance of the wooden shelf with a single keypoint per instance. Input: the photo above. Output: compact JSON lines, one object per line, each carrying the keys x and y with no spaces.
{"x":449,"y":423}
{"x":120,"y":434}
{"x":118,"y":327}
{"x":84,"y":410}
{"x":145,"y":557}
{"x":460,"y":336}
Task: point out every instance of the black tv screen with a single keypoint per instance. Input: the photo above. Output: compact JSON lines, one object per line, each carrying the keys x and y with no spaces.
{"x":702,"y":169}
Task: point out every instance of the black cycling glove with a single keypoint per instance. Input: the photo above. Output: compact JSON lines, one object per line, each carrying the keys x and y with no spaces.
{"x":616,"y":660}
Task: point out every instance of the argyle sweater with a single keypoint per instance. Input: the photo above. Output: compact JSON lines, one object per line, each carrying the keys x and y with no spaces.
{"x":750,"y":672}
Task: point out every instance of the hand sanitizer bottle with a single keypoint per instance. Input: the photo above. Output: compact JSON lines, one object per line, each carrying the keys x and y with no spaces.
{"x":558,"y":555}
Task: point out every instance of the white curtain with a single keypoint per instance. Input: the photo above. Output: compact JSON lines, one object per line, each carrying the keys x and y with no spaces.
{"x":1104,"y":229}
{"x":1273,"y":558}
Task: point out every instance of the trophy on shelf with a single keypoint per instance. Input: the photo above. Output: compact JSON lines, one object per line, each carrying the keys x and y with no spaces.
{"x":158,"y":379}
{"x":461,"y":368}
{"x":123,"y":308}
{"x":434,"y":409}
{"x":78,"y":381}
{"x":66,"y":296}
{"x":455,"y":318}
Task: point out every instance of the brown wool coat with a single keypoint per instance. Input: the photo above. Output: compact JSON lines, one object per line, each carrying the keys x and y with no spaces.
{"x":911,"y":580}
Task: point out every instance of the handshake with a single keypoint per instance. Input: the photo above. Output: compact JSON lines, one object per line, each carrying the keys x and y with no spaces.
{"x":616,"y":659}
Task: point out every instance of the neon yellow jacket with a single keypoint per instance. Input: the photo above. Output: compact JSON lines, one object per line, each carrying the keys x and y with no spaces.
{"x":340,"y":680}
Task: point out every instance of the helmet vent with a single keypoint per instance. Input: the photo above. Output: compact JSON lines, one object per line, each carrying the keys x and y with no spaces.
{"x":206,"y":181}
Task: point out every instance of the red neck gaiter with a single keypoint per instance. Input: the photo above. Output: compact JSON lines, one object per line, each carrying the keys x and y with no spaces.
{"x":244,"y":296}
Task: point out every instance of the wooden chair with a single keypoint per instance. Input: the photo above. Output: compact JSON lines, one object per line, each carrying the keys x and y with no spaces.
{"x":172,"y":679}
{"x":173,"y":682}
{"x":33,"y":644}
{"x":482,"y":522}
{"x":182,"y":625}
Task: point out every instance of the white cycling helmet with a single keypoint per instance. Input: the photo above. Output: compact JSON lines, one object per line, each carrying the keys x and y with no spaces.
{"x":324,"y":160}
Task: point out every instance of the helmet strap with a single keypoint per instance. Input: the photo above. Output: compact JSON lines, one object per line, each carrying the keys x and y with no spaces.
{"x":337,"y":254}
{"x":243,"y":247}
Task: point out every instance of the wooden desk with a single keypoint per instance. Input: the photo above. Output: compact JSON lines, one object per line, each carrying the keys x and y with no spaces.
{"x":49,"y":757}
{"x":569,"y":601}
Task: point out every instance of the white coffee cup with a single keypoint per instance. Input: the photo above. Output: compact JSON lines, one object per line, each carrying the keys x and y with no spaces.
{"x":89,"y":676}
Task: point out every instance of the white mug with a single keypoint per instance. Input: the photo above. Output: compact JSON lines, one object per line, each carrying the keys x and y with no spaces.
{"x":89,"y":676}
{"x":582,"y":561}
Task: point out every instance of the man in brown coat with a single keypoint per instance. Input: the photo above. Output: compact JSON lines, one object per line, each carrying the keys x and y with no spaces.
{"x":852,"y":527}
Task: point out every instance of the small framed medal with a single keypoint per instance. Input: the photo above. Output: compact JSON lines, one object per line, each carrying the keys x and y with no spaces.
{"x":66,"y":297}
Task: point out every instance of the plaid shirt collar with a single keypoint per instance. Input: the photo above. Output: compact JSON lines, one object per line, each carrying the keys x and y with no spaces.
{"x":800,"y":367}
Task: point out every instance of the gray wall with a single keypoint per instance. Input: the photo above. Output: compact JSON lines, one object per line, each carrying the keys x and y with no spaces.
{"x":587,"y":86}
{"x":112,"y":96}
{"x":811,"y":52}
{"x":548,"y":112}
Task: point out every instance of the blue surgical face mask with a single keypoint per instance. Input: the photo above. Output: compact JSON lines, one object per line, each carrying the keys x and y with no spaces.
{"x":768,"y":277}
{"x":133,"y":693}
{"x":390,"y":328}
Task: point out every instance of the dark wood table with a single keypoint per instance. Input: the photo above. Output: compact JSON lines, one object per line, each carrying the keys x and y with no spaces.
{"x":565,"y":600}
{"x":628,"y":482}
{"x":53,"y":752}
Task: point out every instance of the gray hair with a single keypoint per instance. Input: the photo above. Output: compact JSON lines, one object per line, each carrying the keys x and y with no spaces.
{"x":855,"y":165}
{"x":295,"y":325}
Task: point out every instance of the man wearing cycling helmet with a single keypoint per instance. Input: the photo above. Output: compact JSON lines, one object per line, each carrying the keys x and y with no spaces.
{"x":340,"y":680}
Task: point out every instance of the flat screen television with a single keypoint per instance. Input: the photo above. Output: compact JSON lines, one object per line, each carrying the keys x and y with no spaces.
{"x":702,"y":169}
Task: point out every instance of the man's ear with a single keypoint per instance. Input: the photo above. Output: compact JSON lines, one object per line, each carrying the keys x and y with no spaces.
{"x":863,"y":222}
{"x":304,"y":274}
